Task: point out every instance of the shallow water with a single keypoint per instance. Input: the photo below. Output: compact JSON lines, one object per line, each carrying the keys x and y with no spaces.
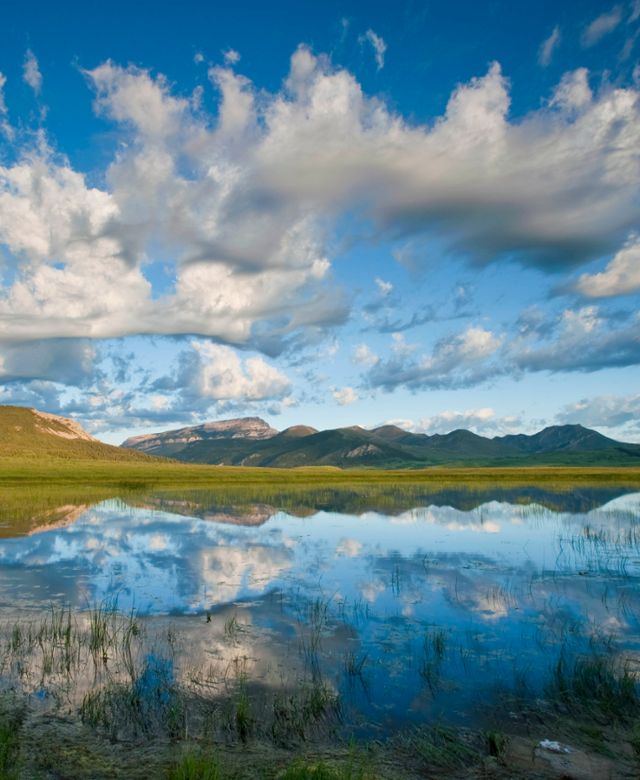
{"x":423,"y":612}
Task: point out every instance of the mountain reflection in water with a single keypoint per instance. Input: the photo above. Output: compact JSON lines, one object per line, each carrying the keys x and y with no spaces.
{"x":422,"y":607}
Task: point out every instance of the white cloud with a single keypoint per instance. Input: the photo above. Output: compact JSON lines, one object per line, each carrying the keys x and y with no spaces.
{"x":345,"y":396}
{"x":604,"y":411}
{"x":131,"y":96}
{"x":481,"y":421}
{"x":231,"y":57}
{"x":549,"y":46}
{"x":241,"y":203}
{"x":579,"y":340}
{"x":573,"y":92}
{"x":456,"y":361}
{"x":3,"y":105}
{"x":378,"y":45}
{"x":601,"y":26}
{"x":620,"y":277}
{"x":196,"y":97}
{"x":221,"y":376}
{"x":635,"y":11}
{"x":364,"y":356}
{"x":198,"y":57}
{"x":31,"y":72}
{"x":383,"y":287}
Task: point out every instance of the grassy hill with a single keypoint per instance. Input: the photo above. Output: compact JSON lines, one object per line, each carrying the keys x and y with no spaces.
{"x":29,"y":434}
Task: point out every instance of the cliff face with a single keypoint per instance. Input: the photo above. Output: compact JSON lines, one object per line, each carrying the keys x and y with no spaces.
{"x":245,"y":428}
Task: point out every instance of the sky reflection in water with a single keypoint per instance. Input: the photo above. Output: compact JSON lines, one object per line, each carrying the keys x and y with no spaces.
{"x":507,"y":586}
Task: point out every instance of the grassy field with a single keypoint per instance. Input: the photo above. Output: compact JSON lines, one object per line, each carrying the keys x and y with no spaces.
{"x":47,"y":473}
{"x":42,"y":492}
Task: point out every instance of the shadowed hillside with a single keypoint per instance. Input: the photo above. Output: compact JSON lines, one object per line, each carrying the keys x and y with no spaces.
{"x":251,"y":442}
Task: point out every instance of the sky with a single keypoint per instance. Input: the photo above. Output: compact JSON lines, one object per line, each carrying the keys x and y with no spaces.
{"x":337,"y":213}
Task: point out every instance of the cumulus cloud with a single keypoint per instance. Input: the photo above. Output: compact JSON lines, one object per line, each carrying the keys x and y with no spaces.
{"x":461,"y":360}
{"x":549,"y":46}
{"x":604,"y":411}
{"x":602,"y":25}
{"x":364,"y":355}
{"x":582,"y":339}
{"x":231,"y":57}
{"x":573,"y":92}
{"x":620,"y":277}
{"x":243,"y":202}
{"x":217,"y":373}
{"x":213,"y":379}
{"x":482,"y":421}
{"x":378,"y":45}
{"x":345,"y":396}
{"x":31,"y":72}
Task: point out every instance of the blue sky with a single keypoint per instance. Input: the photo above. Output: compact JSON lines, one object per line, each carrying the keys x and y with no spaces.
{"x":332,"y":213}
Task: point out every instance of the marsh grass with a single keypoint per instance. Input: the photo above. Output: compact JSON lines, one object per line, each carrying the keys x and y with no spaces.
{"x":497,"y":744}
{"x":354,"y":664}
{"x":433,"y":654}
{"x":233,"y":628}
{"x":151,"y":705}
{"x":11,"y":718}
{"x":42,"y":486}
{"x":442,"y":747}
{"x":304,"y":770}
{"x":595,"y":685}
{"x":197,"y":765}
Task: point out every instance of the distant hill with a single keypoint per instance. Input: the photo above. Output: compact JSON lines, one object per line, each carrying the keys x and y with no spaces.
{"x":29,"y":433}
{"x":252,"y":442}
{"x":170,"y":443}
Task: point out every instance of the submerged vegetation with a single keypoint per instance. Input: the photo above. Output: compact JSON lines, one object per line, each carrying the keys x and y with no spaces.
{"x":295,"y":677}
{"x":89,"y":684}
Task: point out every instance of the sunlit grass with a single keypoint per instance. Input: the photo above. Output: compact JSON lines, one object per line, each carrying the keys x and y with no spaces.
{"x":47,"y":493}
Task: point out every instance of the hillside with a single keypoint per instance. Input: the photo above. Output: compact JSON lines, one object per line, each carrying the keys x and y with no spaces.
{"x":252,"y":442}
{"x":28,"y":433}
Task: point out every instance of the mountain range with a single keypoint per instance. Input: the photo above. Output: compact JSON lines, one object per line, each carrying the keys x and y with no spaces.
{"x":250,"y":441}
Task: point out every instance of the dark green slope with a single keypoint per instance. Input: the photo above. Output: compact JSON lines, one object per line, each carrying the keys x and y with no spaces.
{"x":340,"y":447}
{"x":391,"y":447}
{"x":560,"y":438}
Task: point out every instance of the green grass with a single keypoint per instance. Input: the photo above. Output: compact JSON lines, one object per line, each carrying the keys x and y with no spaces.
{"x":594,"y":685}
{"x":45,"y":492}
{"x":11,"y":718}
{"x":302,"y":770}
{"x":24,"y":434}
{"x":197,"y":766}
{"x":442,"y":748}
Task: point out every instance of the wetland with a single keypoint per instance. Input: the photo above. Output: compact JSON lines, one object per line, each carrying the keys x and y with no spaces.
{"x":331,"y":631}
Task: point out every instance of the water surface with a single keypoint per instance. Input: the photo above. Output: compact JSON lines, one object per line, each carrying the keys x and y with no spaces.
{"x":426,"y":610}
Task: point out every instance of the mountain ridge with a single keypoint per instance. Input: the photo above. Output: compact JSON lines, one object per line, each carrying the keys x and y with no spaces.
{"x":387,"y":446}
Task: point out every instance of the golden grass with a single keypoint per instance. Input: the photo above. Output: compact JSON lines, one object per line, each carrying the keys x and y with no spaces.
{"x":50,"y":472}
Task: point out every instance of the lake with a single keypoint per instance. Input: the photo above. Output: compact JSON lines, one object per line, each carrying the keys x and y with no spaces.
{"x":381,"y":614}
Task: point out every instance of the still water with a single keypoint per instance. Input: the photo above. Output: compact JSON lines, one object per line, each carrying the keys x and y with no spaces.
{"x":427,"y":610}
